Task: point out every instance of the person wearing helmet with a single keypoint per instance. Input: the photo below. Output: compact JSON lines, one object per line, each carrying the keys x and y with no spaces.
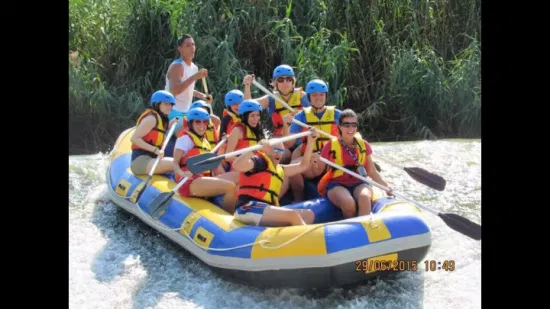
{"x":230,"y":116}
{"x":284,"y":85}
{"x":320,"y":116}
{"x":148,"y":137}
{"x":353,"y":196}
{"x":213,"y":127}
{"x":180,"y":81}
{"x":191,"y":143}
{"x":260,"y":185}
{"x":248,"y":131}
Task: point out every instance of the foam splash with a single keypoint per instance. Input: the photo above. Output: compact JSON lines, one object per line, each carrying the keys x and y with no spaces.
{"x":116,"y":261}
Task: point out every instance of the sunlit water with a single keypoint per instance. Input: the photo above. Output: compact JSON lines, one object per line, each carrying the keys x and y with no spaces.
{"x":115,"y":261}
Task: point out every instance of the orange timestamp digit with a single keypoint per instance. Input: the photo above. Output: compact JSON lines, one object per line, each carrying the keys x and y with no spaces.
{"x":433,"y":265}
{"x":370,"y":265}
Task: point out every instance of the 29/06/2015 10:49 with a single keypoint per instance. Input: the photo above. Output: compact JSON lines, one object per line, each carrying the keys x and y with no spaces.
{"x":374,"y":265}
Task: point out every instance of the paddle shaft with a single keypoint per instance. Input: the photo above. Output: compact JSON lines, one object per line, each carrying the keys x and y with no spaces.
{"x":435,"y":212}
{"x":271,"y":142}
{"x":428,"y":179}
{"x":184,"y":180}
{"x":166,"y":140}
{"x":290,"y":109}
{"x":204,"y":86}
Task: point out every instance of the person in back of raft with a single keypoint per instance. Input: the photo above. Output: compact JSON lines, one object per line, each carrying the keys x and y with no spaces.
{"x":284,"y":83}
{"x":230,"y":116}
{"x":149,"y":135}
{"x":248,"y":131}
{"x":191,"y":143}
{"x":180,"y":81}
{"x":354,"y":153}
{"x":318,"y":115}
{"x":260,"y":182}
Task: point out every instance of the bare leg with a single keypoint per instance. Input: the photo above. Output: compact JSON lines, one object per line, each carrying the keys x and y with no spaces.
{"x":212,"y":186}
{"x":363,"y":195}
{"x":307,"y":215}
{"x":165,"y":166}
{"x":277,"y":216}
{"x":230,"y":176}
{"x":341,"y":198}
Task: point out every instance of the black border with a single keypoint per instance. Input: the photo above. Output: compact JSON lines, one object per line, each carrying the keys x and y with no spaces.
{"x":46,"y":248}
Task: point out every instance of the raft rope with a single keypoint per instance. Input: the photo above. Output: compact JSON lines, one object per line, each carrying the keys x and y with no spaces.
{"x":261,"y":242}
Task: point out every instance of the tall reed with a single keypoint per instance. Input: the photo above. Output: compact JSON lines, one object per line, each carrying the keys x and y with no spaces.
{"x":411,"y":68}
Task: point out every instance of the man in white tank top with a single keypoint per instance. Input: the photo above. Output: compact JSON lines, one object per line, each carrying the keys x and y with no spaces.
{"x":180,"y":81}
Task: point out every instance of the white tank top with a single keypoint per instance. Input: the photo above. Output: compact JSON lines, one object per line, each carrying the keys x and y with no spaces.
{"x":184,"y":98}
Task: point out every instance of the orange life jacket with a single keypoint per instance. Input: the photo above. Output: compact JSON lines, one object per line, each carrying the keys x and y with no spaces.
{"x":201,"y":145}
{"x":327,"y":124}
{"x":233,"y":119}
{"x":249,"y":139}
{"x":281,"y":111}
{"x":336,"y":155}
{"x":156,"y":136}
{"x":264,"y":186}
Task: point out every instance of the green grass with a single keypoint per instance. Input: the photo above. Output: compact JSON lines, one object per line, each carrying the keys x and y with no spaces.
{"x":410,"y":68}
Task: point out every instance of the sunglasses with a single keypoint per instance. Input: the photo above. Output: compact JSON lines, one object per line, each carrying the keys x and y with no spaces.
{"x":349,"y":124}
{"x":205,"y":122}
{"x":282,"y":79}
{"x":279,"y":150}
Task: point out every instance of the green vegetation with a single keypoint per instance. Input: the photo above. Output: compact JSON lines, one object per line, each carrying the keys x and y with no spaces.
{"x":411,"y":68}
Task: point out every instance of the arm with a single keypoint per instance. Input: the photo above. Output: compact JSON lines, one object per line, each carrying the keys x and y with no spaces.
{"x":244,"y":162}
{"x":177,"y":84}
{"x":144,"y":127}
{"x":298,"y":168}
{"x":198,"y":94}
{"x":264,"y":101}
{"x":249,"y":163}
{"x":373,"y":173}
{"x":183,"y":145}
{"x":232,"y":141}
{"x":293,"y":128}
{"x":216,"y":121}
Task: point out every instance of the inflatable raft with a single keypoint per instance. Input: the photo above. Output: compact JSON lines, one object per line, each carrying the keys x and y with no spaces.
{"x":331,"y":252}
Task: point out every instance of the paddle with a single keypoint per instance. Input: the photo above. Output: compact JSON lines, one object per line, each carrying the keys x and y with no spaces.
{"x":454,"y":221}
{"x":134,"y":198}
{"x":158,"y":205}
{"x":421,"y":175}
{"x":208,"y":161}
{"x":205,"y":87}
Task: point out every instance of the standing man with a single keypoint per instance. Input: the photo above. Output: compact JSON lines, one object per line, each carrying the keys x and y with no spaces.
{"x":180,"y":81}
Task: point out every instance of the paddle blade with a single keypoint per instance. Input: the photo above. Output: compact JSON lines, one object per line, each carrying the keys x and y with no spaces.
{"x":203,"y":162}
{"x":424,"y":177}
{"x":159,"y":204}
{"x":462,"y":225}
{"x":134,"y":198}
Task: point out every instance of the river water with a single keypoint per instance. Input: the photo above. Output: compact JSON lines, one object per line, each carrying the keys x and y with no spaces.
{"x":116,"y":261}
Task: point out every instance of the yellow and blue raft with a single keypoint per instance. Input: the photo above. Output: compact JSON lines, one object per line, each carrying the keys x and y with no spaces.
{"x":331,"y":252}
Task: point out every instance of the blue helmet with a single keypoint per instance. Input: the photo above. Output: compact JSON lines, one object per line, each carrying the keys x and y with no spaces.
{"x":249,"y":106}
{"x":233,"y":97}
{"x":316,"y":85}
{"x":200,"y":103}
{"x":162,"y":96}
{"x":197,"y":114}
{"x":283,"y":70}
